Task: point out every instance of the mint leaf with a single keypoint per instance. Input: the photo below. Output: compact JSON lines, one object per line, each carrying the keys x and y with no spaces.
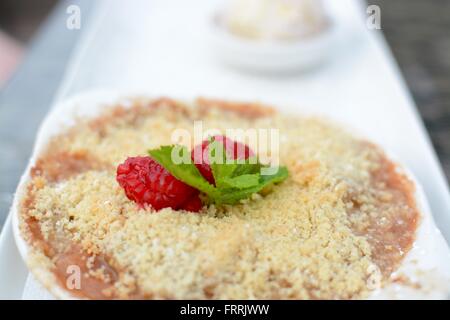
{"x":279,"y":176}
{"x":231,"y":196}
{"x":248,"y":166}
{"x":241,"y":182}
{"x":227,"y":171}
{"x":221,"y":166}
{"x":235,"y":179}
{"x":185,"y":170}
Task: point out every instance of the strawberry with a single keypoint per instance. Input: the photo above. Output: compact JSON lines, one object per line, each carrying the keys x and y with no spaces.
{"x":193,"y":204}
{"x":146,"y":182}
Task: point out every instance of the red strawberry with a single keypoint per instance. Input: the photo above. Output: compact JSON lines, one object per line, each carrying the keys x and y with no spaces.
{"x":146,"y":182}
{"x":234,"y":150}
{"x":193,"y":204}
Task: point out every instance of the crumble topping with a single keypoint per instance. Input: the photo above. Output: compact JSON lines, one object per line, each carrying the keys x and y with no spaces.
{"x":344,"y":217}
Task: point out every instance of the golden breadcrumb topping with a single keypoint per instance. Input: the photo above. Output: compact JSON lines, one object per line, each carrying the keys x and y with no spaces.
{"x":343,"y":219}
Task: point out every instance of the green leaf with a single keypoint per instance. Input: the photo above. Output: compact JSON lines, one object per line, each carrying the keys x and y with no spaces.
{"x":220,"y":165}
{"x":241,"y":182}
{"x":225,"y":169}
{"x":232,"y":196}
{"x":248,"y":166}
{"x":176,"y":160}
{"x":281,"y":174}
{"x":235,"y":179}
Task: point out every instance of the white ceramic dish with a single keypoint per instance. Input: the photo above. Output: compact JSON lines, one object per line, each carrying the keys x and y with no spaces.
{"x":272,"y":56}
{"x":426,"y":266}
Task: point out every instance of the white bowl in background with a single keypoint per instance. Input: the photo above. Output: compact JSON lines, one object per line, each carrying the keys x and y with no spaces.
{"x":272,"y":56}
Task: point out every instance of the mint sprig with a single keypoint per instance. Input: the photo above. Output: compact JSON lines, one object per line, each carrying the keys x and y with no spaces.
{"x":235,"y":179}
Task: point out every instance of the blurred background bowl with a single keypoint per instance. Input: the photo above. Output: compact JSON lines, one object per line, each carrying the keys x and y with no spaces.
{"x":269,"y":55}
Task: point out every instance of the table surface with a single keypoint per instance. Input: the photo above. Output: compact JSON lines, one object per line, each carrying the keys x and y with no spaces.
{"x":416,"y":30}
{"x":25,"y":100}
{"x":418,"y":34}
